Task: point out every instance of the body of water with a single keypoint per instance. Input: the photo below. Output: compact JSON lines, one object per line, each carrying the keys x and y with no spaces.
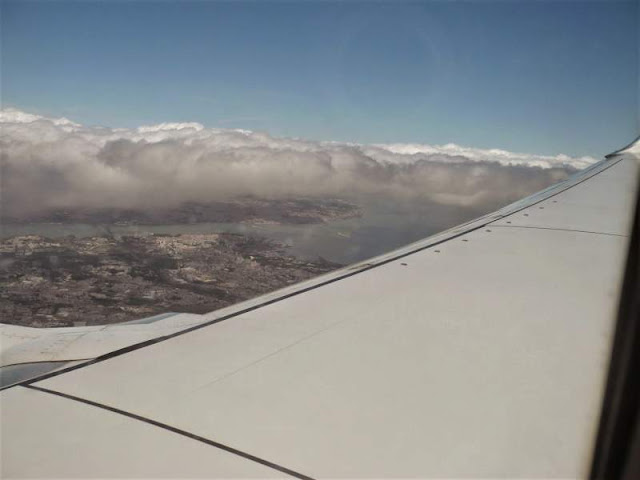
{"x":343,"y":241}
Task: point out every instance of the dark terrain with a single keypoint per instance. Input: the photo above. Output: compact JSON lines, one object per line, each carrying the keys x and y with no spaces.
{"x":100,"y":280}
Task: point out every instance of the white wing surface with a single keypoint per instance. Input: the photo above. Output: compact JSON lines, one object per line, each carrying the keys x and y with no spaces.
{"x":479,"y":352}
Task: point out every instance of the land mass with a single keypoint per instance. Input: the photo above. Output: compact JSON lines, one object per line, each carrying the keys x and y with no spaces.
{"x":108,"y":279}
{"x":240,"y":210}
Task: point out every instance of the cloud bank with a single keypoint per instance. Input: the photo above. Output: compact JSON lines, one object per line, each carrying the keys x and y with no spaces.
{"x":56,"y":163}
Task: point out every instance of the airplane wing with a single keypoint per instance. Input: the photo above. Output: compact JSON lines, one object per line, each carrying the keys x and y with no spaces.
{"x":482,"y":351}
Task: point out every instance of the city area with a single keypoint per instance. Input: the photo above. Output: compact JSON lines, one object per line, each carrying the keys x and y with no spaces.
{"x":107,"y":279}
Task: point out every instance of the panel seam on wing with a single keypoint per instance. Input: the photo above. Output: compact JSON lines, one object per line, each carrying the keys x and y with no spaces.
{"x":164,"y":426}
{"x":561,"y":230}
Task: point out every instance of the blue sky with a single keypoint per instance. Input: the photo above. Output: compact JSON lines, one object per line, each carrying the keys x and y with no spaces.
{"x":539,"y":77}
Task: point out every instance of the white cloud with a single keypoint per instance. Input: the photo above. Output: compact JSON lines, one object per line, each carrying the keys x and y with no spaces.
{"x":56,"y":163}
{"x":492,"y":155}
{"x":170,"y":126}
{"x":11,"y":115}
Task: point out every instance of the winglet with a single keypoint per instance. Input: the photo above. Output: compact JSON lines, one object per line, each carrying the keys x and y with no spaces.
{"x":633,"y":147}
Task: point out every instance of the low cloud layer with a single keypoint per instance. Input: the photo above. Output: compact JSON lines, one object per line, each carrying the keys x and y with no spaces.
{"x":55,"y":163}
